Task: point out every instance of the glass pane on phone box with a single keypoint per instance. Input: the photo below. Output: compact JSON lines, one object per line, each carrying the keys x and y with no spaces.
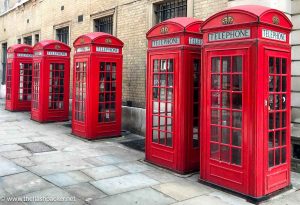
{"x":155,"y":65}
{"x":236,"y":156}
{"x":162,"y":94}
{"x":155,"y":136}
{"x":237,"y":82}
{"x":237,"y":119}
{"x":169,"y":139}
{"x":215,"y":65}
{"x":225,"y":118}
{"x":170,"y":65}
{"x":107,"y":67}
{"x":214,"y":151}
{"x":226,"y":64}
{"x":102,"y":66}
{"x":170,"y":80}
{"x":237,"y":64}
{"x":225,"y":135}
{"x":225,"y":99}
{"x":163,"y":80}
{"x":225,"y":153}
{"x":215,"y":99}
{"x":163,"y":65}
{"x":162,"y":108}
{"x":114,"y":67}
{"x":237,"y":101}
{"x":278,"y":71}
{"x":284,"y":66}
{"x":236,"y":137}
{"x":215,"y":82}
{"x":215,"y":117}
{"x":271,"y":65}
{"x":169,"y":94}
{"x":214,"y":133}
{"x":226,"y":84}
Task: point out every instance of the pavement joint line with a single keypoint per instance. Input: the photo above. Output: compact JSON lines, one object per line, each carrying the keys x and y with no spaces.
{"x":167,"y":170}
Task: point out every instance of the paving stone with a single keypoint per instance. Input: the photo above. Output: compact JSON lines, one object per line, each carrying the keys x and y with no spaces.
{"x":162,"y":176}
{"x":146,"y":196}
{"x":44,"y":158}
{"x":85,"y":191}
{"x":194,"y":177}
{"x":14,"y":140}
{"x":111,"y":159}
{"x":295,"y":178}
{"x":203,"y":200}
{"x":183,"y":190}
{"x":52,"y":168}
{"x":104,"y":172}
{"x":228,"y":198}
{"x":61,"y":196}
{"x":67,"y":178}
{"x":10,"y":147}
{"x":95,"y":161}
{"x":285,"y":199}
{"x":16,"y":154}
{"x":24,"y":162}
{"x":7,"y":167}
{"x":22,"y":183}
{"x":124,"y":183}
{"x":134,"y":167}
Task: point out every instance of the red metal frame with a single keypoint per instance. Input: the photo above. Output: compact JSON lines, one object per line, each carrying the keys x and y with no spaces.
{"x":51,"y":81}
{"x":236,"y":138}
{"x":18,"y":78}
{"x":97,"y":86}
{"x":173,"y":94}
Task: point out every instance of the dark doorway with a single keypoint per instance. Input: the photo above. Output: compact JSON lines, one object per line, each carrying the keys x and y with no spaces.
{"x":4,"y":59}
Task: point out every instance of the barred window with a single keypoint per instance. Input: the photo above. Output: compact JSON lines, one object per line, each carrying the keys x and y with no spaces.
{"x":27,"y":40}
{"x":62,"y":34}
{"x":170,"y":9}
{"x":104,"y":24}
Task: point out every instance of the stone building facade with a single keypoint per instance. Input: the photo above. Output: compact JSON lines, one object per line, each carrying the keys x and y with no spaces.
{"x":29,"y":21}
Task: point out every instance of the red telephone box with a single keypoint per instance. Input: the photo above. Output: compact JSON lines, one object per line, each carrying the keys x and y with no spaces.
{"x":173,"y":94}
{"x":97,"y":86}
{"x":245,"y":122}
{"x":18,"y":78}
{"x":51,"y":81}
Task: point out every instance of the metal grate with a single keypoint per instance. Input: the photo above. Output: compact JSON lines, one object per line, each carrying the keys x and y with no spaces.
{"x":104,"y":24}
{"x":138,"y":144}
{"x":37,"y":147}
{"x":170,"y":9}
